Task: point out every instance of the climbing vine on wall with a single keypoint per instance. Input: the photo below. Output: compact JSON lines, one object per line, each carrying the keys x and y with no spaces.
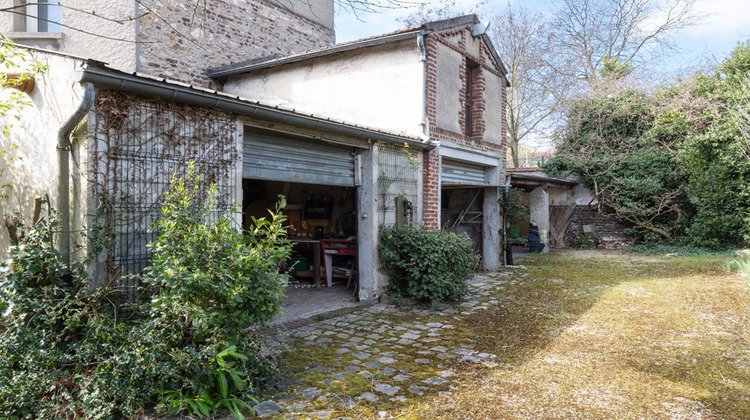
{"x":138,"y":145}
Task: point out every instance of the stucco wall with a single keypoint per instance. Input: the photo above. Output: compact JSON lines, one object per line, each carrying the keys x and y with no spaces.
{"x":378,"y":87}
{"x":560,"y":196}
{"x":34,"y":172}
{"x":494,"y":114}
{"x":91,"y":35}
{"x":449,"y":87}
{"x":224,"y":32}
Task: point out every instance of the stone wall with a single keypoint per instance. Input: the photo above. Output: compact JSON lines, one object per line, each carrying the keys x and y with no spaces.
{"x":609,"y":230}
{"x":223,"y":32}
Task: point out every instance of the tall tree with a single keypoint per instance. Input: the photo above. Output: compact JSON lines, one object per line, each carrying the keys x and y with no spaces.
{"x":603,"y":37}
{"x":524,"y":40}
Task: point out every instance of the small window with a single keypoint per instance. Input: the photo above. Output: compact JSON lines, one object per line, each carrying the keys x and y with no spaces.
{"x":42,"y":16}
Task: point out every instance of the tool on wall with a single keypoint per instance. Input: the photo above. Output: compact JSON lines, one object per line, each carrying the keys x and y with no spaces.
{"x":404,"y":211}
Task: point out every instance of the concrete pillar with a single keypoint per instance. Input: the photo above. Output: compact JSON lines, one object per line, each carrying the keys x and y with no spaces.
{"x":367,"y":228}
{"x":539,"y":213}
{"x":491,"y":241}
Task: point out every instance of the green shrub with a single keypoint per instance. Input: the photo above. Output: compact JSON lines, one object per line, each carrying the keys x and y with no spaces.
{"x":740,"y":263}
{"x":427,"y":266}
{"x":585,"y":241}
{"x":64,"y":354}
{"x":210,"y":276}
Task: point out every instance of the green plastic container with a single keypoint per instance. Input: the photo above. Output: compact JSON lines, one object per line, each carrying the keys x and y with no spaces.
{"x":515,"y":230}
{"x":299,"y":263}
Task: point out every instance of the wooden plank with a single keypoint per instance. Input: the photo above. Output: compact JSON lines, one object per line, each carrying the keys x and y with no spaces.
{"x":559,"y":222}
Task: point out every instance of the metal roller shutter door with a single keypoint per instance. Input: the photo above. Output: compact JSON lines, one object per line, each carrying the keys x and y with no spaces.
{"x":274,"y":157}
{"x":460,"y":173}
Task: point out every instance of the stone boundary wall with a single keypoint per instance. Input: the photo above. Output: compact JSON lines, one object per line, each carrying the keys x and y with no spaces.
{"x":609,"y":230}
{"x":223,"y":33}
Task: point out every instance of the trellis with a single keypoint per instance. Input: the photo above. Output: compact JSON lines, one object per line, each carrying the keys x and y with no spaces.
{"x":138,"y":146}
{"x":398,"y":174}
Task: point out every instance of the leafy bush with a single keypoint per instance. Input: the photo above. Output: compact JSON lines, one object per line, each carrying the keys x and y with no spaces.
{"x":741,"y":263}
{"x":209,"y":276}
{"x":585,"y":241}
{"x":64,"y":354}
{"x":427,"y":266}
{"x":672,"y":163}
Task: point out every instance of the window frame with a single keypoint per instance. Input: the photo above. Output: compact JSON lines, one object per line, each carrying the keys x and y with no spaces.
{"x":41,"y":17}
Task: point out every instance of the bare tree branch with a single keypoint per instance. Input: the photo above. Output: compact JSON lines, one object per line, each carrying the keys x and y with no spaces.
{"x":629,"y":32}
{"x":536,"y":90}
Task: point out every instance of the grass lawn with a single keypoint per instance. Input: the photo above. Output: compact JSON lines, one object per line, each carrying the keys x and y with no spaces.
{"x":595,"y":335}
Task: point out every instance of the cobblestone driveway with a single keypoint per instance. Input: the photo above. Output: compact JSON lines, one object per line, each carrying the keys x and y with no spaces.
{"x":375,"y":361}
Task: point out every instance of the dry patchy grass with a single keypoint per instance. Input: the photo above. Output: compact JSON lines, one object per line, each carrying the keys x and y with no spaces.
{"x":602,"y":336}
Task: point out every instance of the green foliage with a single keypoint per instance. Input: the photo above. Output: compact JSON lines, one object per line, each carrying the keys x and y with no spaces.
{"x":740,"y":263}
{"x":64,"y":353}
{"x":613,"y":69}
{"x":209,"y":276}
{"x":511,"y":207}
{"x":718,"y":157}
{"x":513,"y":212}
{"x":427,"y":266}
{"x":585,"y":241}
{"x":674,"y":164}
{"x":625,"y":148}
{"x":228,"y":378}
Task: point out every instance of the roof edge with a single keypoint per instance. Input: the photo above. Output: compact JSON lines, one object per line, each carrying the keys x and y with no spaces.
{"x":162,"y":89}
{"x":253,"y":65}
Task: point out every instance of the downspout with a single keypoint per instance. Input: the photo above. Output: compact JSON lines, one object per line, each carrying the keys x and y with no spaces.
{"x":423,"y":59}
{"x":506,"y":225}
{"x":63,"y":165}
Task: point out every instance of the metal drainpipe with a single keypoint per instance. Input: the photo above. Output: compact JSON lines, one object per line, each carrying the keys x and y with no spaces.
{"x":423,"y":58}
{"x":63,"y":164}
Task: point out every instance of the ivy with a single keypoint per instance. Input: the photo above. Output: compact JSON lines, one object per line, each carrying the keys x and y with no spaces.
{"x":674,"y":164}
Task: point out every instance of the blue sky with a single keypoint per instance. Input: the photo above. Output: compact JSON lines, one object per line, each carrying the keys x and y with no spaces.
{"x":725,"y":22}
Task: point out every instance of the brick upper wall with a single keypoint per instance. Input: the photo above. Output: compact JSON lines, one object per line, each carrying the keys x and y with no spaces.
{"x":225,"y":32}
{"x":457,"y":40}
{"x":487,"y":107}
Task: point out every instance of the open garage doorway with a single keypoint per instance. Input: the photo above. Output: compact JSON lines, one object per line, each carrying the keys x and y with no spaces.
{"x":462,"y":212}
{"x":318,"y":180}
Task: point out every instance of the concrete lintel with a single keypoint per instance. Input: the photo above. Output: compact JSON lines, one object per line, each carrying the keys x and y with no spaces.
{"x":470,"y":155}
